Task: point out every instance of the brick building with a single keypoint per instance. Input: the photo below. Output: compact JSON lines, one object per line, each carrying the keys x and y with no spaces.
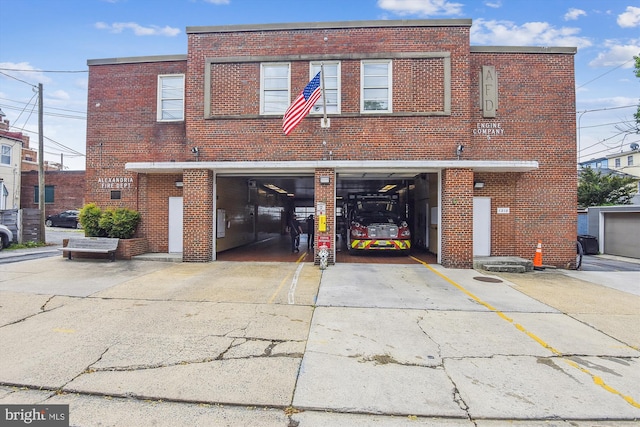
{"x":64,"y":190}
{"x":479,"y":141}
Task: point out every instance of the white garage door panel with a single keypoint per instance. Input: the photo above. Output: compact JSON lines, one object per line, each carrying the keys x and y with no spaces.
{"x":622,"y":234}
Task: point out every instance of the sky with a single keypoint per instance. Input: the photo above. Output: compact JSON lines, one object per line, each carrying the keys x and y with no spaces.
{"x":50,"y":41}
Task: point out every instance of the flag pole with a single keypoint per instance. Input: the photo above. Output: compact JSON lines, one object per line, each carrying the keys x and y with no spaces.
{"x":324,"y":98}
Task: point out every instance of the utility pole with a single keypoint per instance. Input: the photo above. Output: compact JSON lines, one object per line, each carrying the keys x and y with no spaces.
{"x":41,"y":229}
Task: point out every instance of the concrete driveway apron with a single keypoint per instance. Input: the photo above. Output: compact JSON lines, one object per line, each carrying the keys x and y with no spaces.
{"x":430,"y":341}
{"x":367,"y":343}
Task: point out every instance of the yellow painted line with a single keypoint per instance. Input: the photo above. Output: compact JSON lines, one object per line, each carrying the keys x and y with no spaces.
{"x":64,"y":331}
{"x":596,"y":379}
{"x":285,"y":279}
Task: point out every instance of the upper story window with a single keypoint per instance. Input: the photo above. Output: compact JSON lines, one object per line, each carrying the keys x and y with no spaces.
{"x":274,"y":88}
{"x":617,"y":163}
{"x":375,"y":80}
{"x":5,"y":154}
{"x":331,"y":81}
{"x":629,"y":160}
{"x":171,"y":97}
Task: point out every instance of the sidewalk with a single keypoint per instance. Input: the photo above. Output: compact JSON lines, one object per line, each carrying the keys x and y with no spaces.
{"x":280,"y":344}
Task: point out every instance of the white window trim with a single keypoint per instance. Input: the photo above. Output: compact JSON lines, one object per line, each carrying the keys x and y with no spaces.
{"x":338,"y":83}
{"x":262,"y":89}
{"x":2,"y":149}
{"x":389,"y":84}
{"x":159,"y":98}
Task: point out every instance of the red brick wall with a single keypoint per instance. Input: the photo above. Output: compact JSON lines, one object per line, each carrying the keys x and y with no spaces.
{"x":68,"y":190}
{"x":198,"y":215}
{"x":457,"y":218}
{"x":122,"y":126}
{"x":352,"y":136}
{"x":154,"y":209}
{"x":537,"y":110}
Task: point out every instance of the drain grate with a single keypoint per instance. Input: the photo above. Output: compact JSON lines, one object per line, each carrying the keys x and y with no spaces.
{"x":488,"y":279}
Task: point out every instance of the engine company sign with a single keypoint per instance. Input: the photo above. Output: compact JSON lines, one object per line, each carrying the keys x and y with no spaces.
{"x":488,"y":129}
{"x":115,"y":183}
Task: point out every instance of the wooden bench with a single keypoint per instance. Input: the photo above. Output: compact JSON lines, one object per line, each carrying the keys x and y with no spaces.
{"x":99,"y":245}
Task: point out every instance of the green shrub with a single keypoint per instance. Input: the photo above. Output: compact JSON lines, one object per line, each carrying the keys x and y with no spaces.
{"x":120,"y":223}
{"x":89,"y":217}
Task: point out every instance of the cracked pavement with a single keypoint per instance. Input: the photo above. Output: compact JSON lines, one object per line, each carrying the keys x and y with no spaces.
{"x":152,"y":343}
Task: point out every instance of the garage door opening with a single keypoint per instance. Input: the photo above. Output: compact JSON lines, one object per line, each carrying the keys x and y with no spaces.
{"x":255,"y":207}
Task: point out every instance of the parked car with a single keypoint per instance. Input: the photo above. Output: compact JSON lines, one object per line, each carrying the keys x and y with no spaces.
{"x":6,"y":237}
{"x":64,"y":219}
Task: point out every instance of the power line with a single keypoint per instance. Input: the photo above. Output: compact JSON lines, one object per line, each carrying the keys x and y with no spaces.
{"x":605,"y":73}
{"x":66,"y":116}
{"x":49,"y":108}
{"x":15,"y":78}
{"x":44,"y":71}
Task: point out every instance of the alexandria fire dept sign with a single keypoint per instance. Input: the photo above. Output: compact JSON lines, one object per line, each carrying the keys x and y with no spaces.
{"x":115,"y":183}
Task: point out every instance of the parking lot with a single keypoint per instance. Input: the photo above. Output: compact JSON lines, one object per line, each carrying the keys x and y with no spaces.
{"x":228,"y":343}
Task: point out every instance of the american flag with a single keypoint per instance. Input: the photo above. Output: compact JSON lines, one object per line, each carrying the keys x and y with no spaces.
{"x":302,"y":105}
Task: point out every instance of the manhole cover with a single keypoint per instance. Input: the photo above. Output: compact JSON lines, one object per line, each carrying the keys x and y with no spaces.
{"x":488,"y":279}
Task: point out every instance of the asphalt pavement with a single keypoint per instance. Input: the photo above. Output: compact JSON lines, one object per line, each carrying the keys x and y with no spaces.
{"x":286,"y":344}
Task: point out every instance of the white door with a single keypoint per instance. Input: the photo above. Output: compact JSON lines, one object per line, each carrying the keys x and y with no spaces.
{"x":481,"y":226}
{"x":175,"y":225}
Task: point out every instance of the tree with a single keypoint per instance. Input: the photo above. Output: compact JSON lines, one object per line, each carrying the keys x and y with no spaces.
{"x":637,"y":114}
{"x":598,"y":189}
{"x":632,"y":127}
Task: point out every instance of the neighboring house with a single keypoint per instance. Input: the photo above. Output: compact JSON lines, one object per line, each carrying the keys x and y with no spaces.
{"x":626,"y":164}
{"x":11,"y":144}
{"x":599,"y":163}
{"x":63,"y":190}
{"x":626,"y":161}
{"x":479,"y":142}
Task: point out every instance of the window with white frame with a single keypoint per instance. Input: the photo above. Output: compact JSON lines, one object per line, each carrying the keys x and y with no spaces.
{"x":274,"y":88}
{"x":171,"y":97}
{"x":5,"y":154}
{"x":617,"y":163}
{"x":375,"y":81}
{"x":331,"y":82}
{"x":629,"y":160}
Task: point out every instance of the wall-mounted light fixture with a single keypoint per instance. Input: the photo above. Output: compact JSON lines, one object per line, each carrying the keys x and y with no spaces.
{"x":179,"y":184}
{"x":478,"y":184}
{"x":325,"y":180}
{"x":459,"y":150}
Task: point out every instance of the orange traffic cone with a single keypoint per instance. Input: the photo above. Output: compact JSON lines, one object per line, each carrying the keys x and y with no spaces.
{"x":537,"y":259}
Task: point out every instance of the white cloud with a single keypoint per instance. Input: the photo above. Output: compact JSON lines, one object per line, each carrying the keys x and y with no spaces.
{"x":630,"y":18}
{"x":138,"y":30}
{"x":24,"y":71}
{"x":506,"y":33}
{"x":421,"y":7}
{"x":494,"y":4}
{"x":59,"y":95}
{"x":573,"y":14}
{"x":617,"y":54}
{"x":218,"y":1}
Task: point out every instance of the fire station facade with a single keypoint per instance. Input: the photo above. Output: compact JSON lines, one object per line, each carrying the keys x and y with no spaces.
{"x":484,"y":137}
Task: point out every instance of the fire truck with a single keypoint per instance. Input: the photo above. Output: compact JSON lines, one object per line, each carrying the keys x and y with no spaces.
{"x":374,"y":222}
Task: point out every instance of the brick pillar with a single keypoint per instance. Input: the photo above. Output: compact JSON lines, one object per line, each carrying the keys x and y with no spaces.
{"x":325,"y":193}
{"x":457,"y":218}
{"x":198,"y":215}
{"x":143,"y":205}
